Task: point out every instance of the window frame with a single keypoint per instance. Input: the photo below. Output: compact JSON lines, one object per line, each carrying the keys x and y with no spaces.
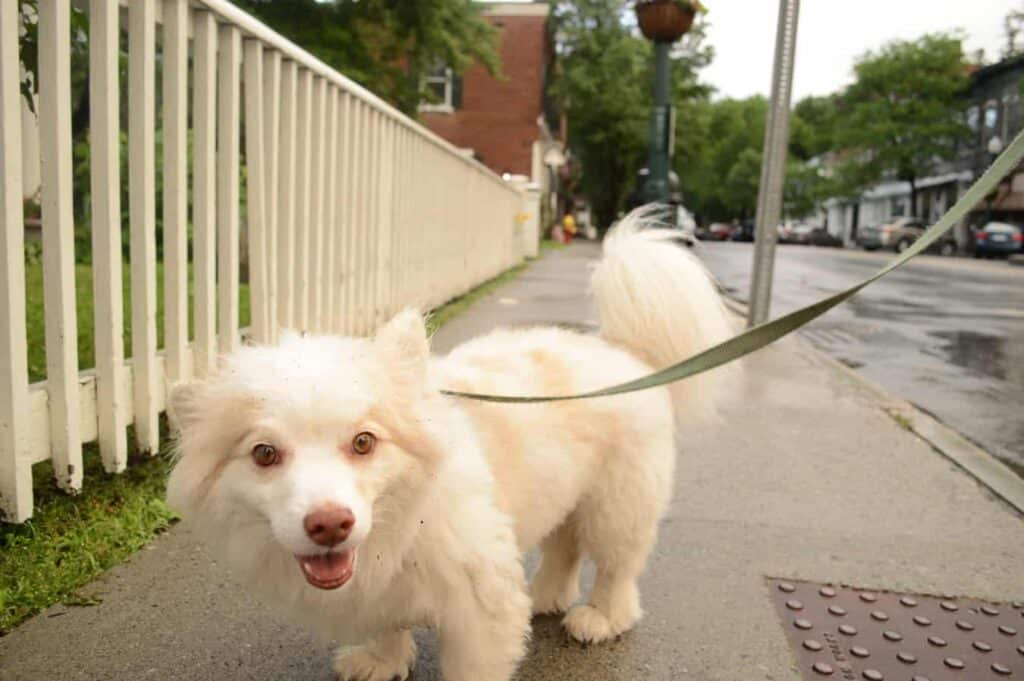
{"x":447,"y":105}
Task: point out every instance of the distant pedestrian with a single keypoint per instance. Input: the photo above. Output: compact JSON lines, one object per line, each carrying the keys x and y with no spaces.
{"x":568,"y":227}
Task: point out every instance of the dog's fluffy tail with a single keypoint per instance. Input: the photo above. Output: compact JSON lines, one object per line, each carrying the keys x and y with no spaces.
{"x":656,"y":300}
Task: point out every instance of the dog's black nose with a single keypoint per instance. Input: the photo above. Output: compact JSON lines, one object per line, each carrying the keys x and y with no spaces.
{"x":329,"y":525}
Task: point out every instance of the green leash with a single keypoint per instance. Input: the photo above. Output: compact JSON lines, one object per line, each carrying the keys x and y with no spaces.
{"x":764,"y":334}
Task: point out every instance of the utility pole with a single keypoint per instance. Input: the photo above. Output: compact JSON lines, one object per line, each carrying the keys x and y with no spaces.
{"x":773,"y":163}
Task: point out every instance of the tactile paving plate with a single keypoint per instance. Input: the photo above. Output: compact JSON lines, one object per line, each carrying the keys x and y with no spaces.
{"x":855,"y":634}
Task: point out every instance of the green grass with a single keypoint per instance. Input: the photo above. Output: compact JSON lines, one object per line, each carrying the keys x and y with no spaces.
{"x":36,"y":327}
{"x":442,"y":315}
{"x":71,"y":540}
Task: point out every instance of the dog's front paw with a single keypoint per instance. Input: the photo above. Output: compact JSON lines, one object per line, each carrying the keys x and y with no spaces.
{"x":587,"y":624}
{"x":375,"y":662}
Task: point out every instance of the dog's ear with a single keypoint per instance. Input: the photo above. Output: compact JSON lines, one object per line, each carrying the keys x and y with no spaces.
{"x":184,"y":403}
{"x":403,"y":340}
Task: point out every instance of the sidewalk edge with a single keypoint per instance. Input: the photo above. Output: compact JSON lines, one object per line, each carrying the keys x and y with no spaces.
{"x":980,"y":464}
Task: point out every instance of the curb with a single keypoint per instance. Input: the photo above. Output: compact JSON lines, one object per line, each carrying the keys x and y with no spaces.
{"x":972,"y":459}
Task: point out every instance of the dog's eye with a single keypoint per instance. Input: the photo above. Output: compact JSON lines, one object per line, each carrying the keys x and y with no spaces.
{"x":265,"y":455}
{"x":363,"y":443}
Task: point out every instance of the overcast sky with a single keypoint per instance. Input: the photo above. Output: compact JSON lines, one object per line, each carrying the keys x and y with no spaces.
{"x":831,"y":34}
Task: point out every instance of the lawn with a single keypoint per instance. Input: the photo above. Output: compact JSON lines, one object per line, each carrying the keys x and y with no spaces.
{"x":70,"y":540}
{"x":36,"y":326}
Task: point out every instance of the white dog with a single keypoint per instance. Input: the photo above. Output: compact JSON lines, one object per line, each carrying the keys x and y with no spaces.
{"x":333,"y":476}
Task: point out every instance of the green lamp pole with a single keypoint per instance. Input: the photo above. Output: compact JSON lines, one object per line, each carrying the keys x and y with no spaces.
{"x":663,"y":22}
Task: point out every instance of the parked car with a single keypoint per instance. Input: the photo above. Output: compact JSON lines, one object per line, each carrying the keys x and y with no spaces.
{"x":795,"y":232}
{"x":997,"y":239}
{"x":869,"y":237}
{"x":717,"y":231}
{"x":743,"y":231}
{"x":899,"y":235}
{"x":819,"y":236}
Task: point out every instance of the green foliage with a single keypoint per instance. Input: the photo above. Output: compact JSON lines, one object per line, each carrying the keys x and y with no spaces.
{"x":35,"y":314}
{"x":812,"y":128}
{"x":385,"y":45}
{"x":903,"y":112}
{"x":71,"y":539}
{"x":603,"y":82}
{"x":720,"y":166}
{"x":29,"y":53}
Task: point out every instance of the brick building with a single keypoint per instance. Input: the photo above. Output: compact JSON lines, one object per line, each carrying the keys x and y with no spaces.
{"x":500,"y":120}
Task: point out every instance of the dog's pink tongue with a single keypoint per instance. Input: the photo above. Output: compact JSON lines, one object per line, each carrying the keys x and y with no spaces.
{"x":327,"y":571}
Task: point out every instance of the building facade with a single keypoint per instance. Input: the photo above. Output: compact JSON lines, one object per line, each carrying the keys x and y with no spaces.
{"x":994,"y":115}
{"x":500,"y":119}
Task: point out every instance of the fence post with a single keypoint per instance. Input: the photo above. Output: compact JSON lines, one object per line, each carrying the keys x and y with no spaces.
{"x":105,"y":142}
{"x":303,"y":199}
{"x":142,"y":215}
{"x":175,"y":129}
{"x":204,"y":192}
{"x":228,"y":111}
{"x":15,"y":472}
{"x":329,"y":196}
{"x":271,"y":174}
{"x":287,"y":201}
{"x":59,"y":242}
{"x":255,"y":190}
{"x":316,"y":205}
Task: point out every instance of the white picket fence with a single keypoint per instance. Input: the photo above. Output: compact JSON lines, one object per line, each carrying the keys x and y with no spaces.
{"x":353,"y":211}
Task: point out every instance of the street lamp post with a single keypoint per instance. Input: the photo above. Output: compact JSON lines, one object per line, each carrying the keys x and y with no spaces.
{"x":663,"y":22}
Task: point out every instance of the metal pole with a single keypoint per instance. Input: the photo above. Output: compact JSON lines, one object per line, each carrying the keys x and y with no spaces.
{"x":773,"y":165}
{"x":656,"y":188}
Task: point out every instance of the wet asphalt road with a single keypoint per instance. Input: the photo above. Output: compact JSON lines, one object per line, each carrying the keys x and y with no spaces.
{"x":945,"y":333}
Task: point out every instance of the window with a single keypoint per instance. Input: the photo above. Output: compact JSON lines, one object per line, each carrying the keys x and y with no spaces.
{"x":896,"y":207}
{"x":972,"y":118}
{"x":439,"y":90}
{"x":991,"y":115}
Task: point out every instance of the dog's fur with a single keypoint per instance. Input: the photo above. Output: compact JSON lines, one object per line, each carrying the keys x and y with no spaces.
{"x":456,"y":490}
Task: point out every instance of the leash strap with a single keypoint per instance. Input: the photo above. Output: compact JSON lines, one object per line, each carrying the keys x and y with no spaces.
{"x":768,"y":332}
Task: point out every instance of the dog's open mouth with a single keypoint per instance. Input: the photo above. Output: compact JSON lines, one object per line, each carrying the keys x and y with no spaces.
{"x":328,"y":570}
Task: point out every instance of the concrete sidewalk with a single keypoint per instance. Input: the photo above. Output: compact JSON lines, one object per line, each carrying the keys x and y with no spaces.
{"x":807,"y":479}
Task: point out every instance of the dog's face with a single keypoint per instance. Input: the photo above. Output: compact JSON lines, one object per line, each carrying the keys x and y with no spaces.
{"x":295,"y":449}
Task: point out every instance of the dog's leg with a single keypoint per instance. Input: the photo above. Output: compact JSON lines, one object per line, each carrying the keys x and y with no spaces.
{"x":617,"y":525}
{"x":385,"y":658}
{"x":614,"y":607}
{"x":556,"y":585}
{"x":486,"y":622}
{"x":483,"y":647}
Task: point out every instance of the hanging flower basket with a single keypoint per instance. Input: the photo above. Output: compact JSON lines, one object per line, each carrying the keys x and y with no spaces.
{"x":666,"y":21}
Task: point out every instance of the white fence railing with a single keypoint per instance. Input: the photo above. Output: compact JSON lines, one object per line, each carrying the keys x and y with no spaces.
{"x":351,"y":211}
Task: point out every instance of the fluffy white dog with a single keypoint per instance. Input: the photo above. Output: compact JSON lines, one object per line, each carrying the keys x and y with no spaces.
{"x":332,"y":475}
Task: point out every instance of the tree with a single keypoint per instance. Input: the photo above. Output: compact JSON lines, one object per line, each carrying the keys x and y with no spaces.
{"x":603,"y":83}
{"x":903,"y":112}
{"x":813,"y":126}
{"x":1013,"y":24}
{"x":385,"y":45}
{"x":721,"y":170}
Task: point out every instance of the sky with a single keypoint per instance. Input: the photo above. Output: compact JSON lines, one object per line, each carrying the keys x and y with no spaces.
{"x":831,"y":34}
